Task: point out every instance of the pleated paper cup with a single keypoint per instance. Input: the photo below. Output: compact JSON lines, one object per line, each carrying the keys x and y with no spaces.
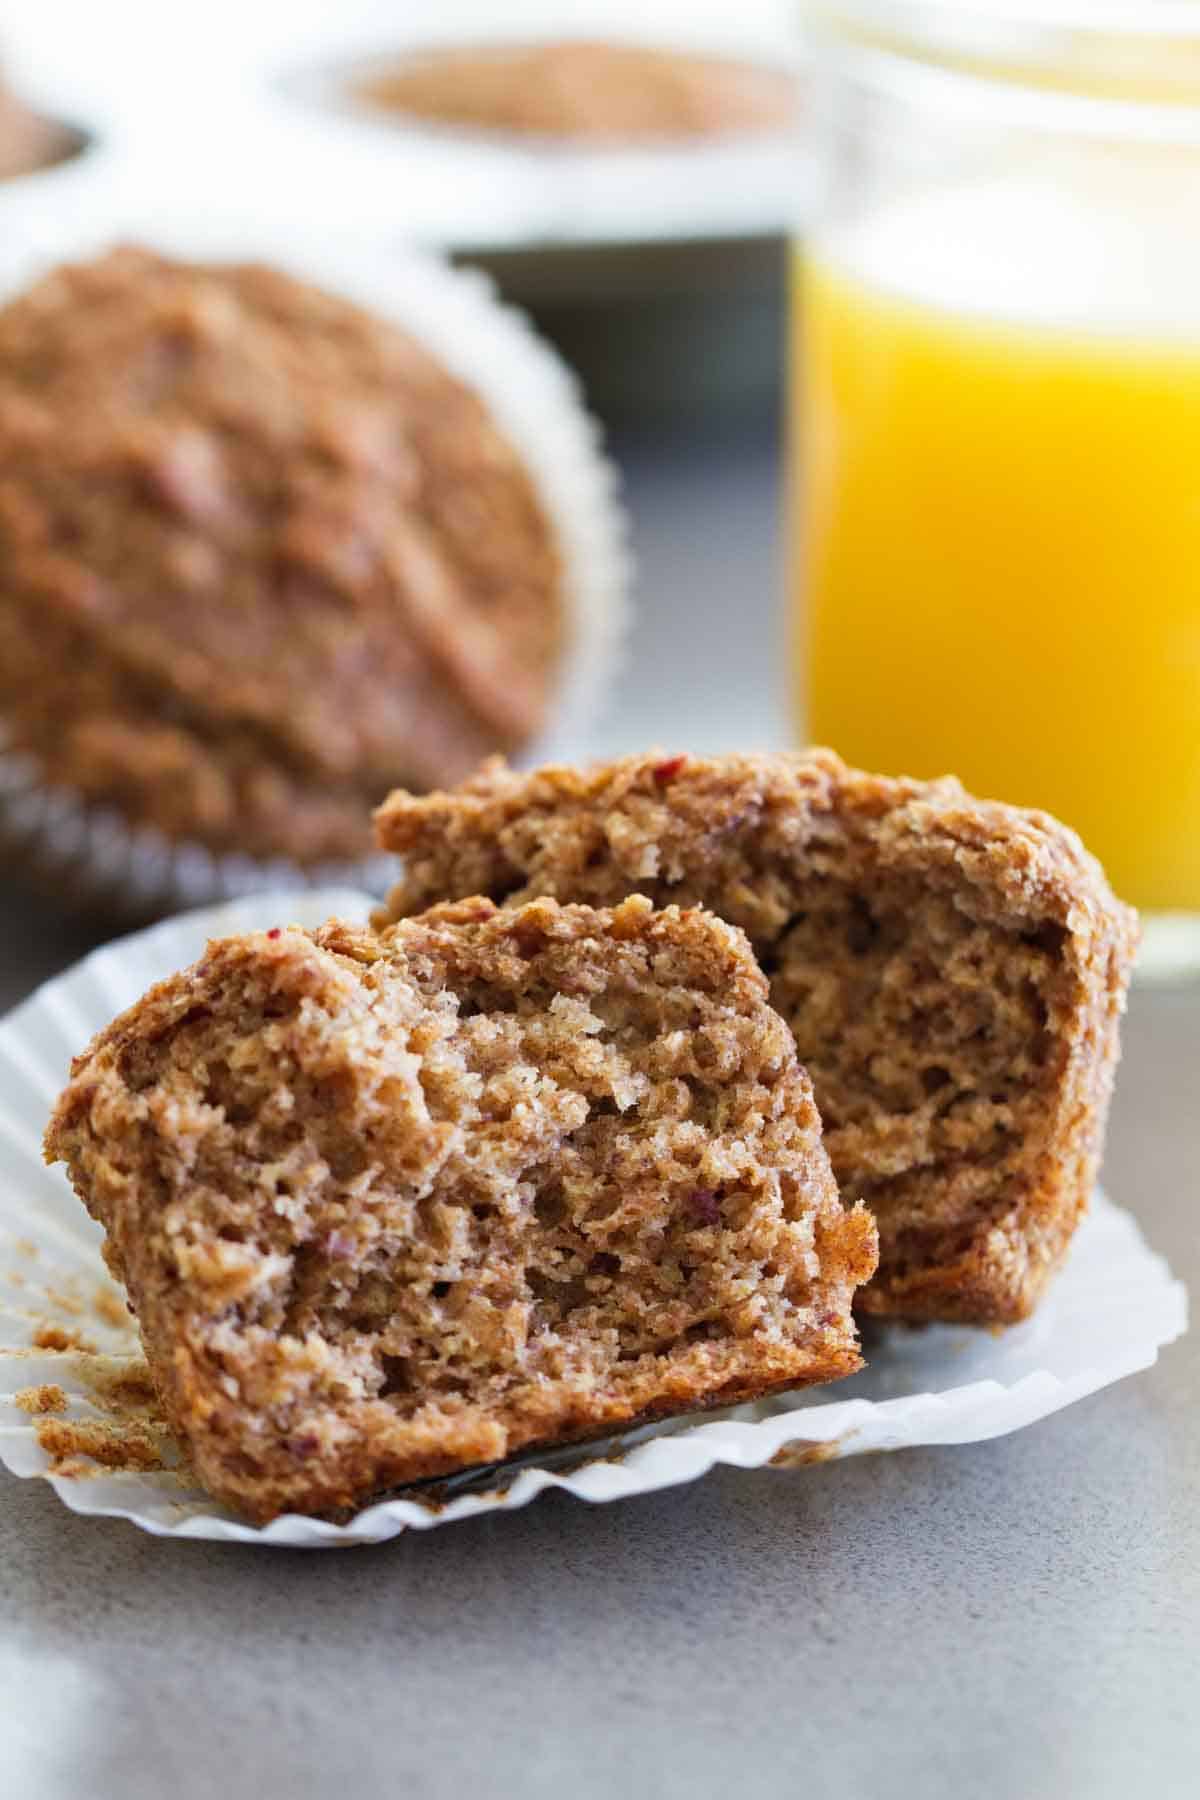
{"x":76,"y":1408}
{"x":93,"y":858}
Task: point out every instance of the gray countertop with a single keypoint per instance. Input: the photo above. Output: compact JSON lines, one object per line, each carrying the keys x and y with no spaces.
{"x":1010,"y":1620}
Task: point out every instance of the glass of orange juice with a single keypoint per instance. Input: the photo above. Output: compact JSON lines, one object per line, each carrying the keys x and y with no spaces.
{"x":997,"y":417}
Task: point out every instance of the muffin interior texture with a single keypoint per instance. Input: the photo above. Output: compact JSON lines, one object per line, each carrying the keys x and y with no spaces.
{"x":953,"y":972}
{"x":391,"y":1206}
{"x":261,"y":556}
{"x":585,"y":90}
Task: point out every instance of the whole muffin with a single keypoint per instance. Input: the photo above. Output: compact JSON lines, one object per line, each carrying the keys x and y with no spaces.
{"x":587,"y":91}
{"x":262,"y":556}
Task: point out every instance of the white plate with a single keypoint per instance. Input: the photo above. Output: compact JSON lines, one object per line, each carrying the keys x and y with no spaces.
{"x":1111,"y":1310}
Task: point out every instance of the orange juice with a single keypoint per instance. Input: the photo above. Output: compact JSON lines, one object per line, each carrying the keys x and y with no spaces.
{"x":1000,"y":534}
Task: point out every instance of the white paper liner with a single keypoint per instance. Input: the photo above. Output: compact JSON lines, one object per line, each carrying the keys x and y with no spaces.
{"x":1110,"y":1311}
{"x":533,"y":396}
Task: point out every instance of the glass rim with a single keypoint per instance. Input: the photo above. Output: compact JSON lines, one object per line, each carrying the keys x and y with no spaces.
{"x":940,"y":20}
{"x":1104,"y":49}
{"x":1113,"y":65}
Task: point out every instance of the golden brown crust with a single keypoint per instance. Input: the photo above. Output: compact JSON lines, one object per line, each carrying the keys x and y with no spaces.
{"x":261,"y":556}
{"x":389,"y":1206}
{"x":586,"y":91}
{"x":954,"y":971}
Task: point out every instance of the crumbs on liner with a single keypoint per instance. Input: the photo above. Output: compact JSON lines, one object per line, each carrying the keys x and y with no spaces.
{"x":85,"y":1446}
{"x":134,"y":1438}
{"x":112,"y":1308}
{"x":801,"y":1453}
{"x":60,"y":1337}
{"x":48,"y":1397}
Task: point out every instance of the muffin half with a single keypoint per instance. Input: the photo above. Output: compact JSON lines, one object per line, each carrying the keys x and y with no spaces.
{"x":391,"y":1206}
{"x":953,"y":971}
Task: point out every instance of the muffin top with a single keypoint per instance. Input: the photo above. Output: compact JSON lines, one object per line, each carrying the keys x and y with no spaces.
{"x":261,"y":556}
{"x":586,"y":90}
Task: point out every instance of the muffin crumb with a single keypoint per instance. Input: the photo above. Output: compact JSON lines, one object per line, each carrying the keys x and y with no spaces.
{"x":47,"y":1397}
{"x":49,"y":1336}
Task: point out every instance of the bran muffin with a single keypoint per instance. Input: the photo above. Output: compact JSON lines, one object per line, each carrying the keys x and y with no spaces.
{"x":389,"y":1206}
{"x":953,"y":971}
{"x":261,"y":556}
{"x":585,"y":91}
